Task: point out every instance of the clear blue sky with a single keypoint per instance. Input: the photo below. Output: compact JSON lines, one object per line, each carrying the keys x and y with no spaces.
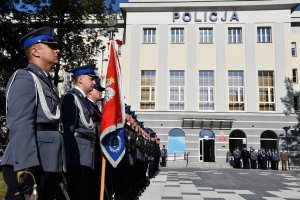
{"x":116,"y":5}
{"x":118,"y":1}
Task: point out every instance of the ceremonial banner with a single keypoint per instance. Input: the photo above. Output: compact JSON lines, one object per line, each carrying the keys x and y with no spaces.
{"x":113,"y":112}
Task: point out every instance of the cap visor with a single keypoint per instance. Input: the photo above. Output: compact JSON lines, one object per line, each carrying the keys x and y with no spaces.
{"x":52,"y":45}
{"x":93,"y":76}
{"x":101,"y":89}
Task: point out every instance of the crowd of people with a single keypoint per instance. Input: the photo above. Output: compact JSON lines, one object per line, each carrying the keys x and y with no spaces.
{"x":261,"y":159}
{"x":53,"y":149}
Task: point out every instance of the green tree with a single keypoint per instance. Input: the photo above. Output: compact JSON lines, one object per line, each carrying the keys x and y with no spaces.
{"x":289,"y":100}
{"x":68,"y":17}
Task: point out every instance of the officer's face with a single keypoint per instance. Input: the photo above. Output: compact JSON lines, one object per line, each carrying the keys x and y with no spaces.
{"x":132,"y":121}
{"x":87,"y":82}
{"x":47,"y":53}
{"x":97,"y":94}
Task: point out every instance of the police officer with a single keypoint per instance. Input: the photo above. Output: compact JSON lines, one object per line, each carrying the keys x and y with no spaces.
{"x":237,"y":158}
{"x":263,"y":158}
{"x":157,"y":159}
{"x":269,"y":158}
{"x":34,"y":155}
{"x":164,"y":155}
{"x":259,"y":162}
{"x":79,"y":133}
{"x":284,"y":158}
{"x":275,"y":159}
{"x":155,"y":155}
{"x":253,"y":158}
{"x":245,"y":156}
{"x":94,"y":97}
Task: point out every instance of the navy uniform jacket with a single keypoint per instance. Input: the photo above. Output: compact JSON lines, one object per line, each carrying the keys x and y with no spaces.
{"x":79,"y":150}
{"x":28,"y":147}
{"x":97,"y":116}
{"x":155,"y":150}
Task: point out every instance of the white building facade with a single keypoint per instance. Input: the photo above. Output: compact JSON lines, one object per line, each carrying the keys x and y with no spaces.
{"x":209,"y":76}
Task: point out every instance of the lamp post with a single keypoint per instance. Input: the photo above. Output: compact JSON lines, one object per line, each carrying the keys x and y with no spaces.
{"x":286,"y":129}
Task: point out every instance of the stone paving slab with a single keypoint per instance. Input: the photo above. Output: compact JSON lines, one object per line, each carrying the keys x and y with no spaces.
{"x":221,"y":184}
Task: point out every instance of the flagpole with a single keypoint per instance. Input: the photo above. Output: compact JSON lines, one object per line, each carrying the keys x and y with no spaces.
{"x":112,"y":22}
{"x":102,"y":178}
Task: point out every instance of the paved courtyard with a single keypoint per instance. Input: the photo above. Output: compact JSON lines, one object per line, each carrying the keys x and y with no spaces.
{"x":218,"y":184}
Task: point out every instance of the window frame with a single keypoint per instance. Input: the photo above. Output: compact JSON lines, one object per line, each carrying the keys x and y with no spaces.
{"x":240,"y":102}
{"x":151,"y":89}
{"x":295,"y":75}
{"x":266,"y":91}
{"x":149,"y":35}
{"x":205,"y":35}
{"x":294,"y":49}
{"x":179,"y":93}
{"x":235,"y":35}
{"x":177,"y":37}
{"x":205,"y":85}
{"x":296,"y":103}
{"x":262,"y":34}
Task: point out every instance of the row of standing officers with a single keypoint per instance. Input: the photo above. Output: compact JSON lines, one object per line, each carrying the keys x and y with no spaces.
{"x":260,"y":159}
{"x":53,"y":149}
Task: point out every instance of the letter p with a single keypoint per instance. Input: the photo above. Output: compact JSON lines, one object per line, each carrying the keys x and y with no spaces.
{"x":175,"y":16}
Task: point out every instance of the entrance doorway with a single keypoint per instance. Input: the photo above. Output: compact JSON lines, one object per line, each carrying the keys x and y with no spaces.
{"x":207,"y":146}
{"x":269,"y":140}
{"x":237,"y":138}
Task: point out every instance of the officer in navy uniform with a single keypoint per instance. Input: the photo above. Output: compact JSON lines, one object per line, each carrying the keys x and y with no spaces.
{"x":94,"y":97}
{"x":253,"y":158}
{"x":155,"y":154}
{"x":35,"y":150}
{"x":80,"y":133}
{"x":245,"y":156}
{"x":264,"y":159}
{"x":237,"y":158}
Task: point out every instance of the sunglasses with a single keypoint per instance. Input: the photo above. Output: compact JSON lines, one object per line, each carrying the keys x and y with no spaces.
{"x":52,"y":45}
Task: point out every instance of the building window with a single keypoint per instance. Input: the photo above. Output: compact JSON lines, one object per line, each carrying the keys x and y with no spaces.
{"x":148,"y":90}
{"x":295,"y":75}
{"x":206,"y":35}
{"x":176,"y":90}
{"x":266,"y":91}
{"x":236,"y":90}
{"x":264,"y":34}
{"x":177,"y":35}
{"x":234,"y":35}
{"x":296,"y":104}
{"x":206,"y":90}
{"x":149,"y":35}
{"x":294,"y":49}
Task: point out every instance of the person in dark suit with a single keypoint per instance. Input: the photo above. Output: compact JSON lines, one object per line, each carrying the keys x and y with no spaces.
{"x":155,"y":155}
{"x":245,"y":156}
{"x":34,"y":157}
{"x":164,"y":155}
{"x":264,"y":159}
{"x":237,"y":158}
{"x":80,"y":133}
{"x":94,"y":97}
